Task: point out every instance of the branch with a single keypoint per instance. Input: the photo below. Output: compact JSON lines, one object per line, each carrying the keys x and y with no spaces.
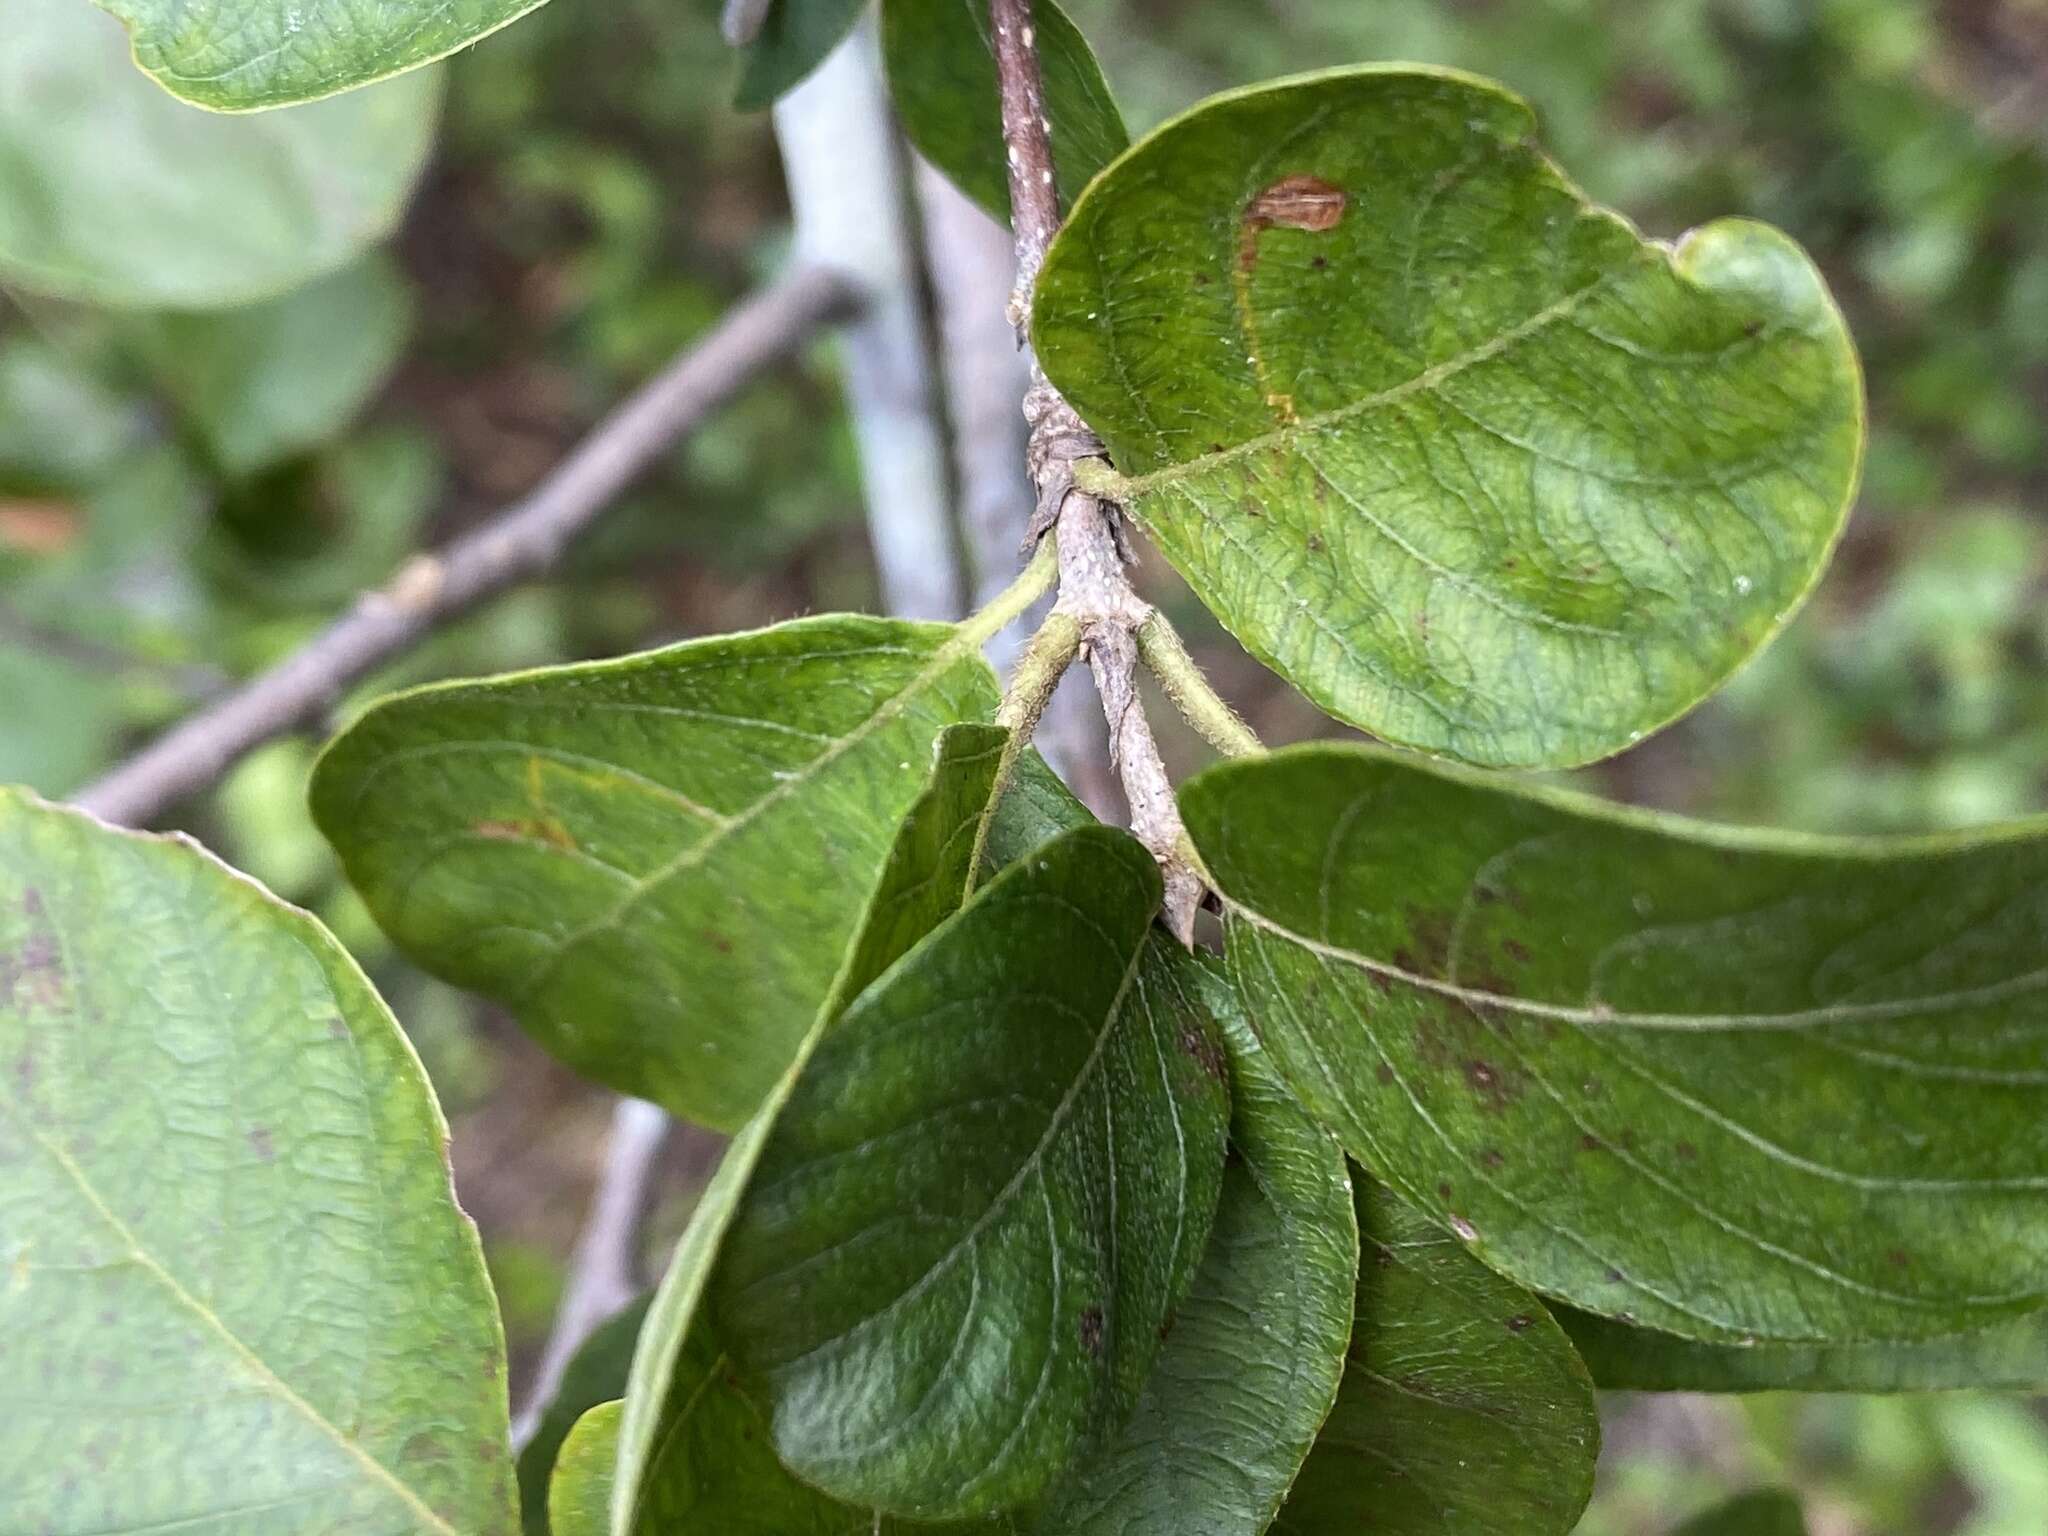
{"x":604,"y":1270}
{"x":1093,"y":586}
{"x":844,"y":165}
{"x":526,"y":540}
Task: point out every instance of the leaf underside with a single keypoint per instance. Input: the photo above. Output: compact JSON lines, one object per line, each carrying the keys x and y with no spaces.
{"x":145,"y":202}
{"x":1464,"y":1411}
{"x":1728,"y":1085}
{"x":231,"y":1264}
{"x":1462,"y":457}
{"x":657,"y":863}
{"x":795,"y":37}
{"x":991,"y":1187}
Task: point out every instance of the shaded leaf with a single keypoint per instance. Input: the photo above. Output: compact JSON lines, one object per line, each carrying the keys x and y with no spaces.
{"x":1765,"y":1512}
{"x":657,"y":863}
{"x":922,"y":882}
{"x":596,"y":1374}
{"x":991,"y":1188}
{"x":145,"y":202}
{"x":1250,"y":1367}
{"x":1720,"y":1083}
{"x":265,"y":381}
{"x":242,"y":55}
{"x":942,"y":75}
{"x":234,"y":1268}
{"x":1460,"y":456}
{"x":580,"y":1492}
{"x":1464,"y":1411}
{"x":2009,"y":1357}
{"x":795,"y":37}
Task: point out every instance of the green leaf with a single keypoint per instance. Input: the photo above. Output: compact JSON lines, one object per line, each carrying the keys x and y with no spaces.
{"x":657,"y":863}
{"x":266,"y":381}
{"x":1251,"y":1366}
{"x":1464,"y":1411}
{"x":795,"y":37}
{"x":1764,"y":1512}
{"x":990,"y":1190}
{"x":113,"y":193}
{"x":2010,"y":1357}
{"x":1460,"y":456}
{"x":235,"y":1286}
{"x":922,"y":882}
{"x":244,"y":55}
{"x":595,"y":1375}
{"x":579,"y":1496}
{"x":1721,"y":1083}
{"x":942,"y":74}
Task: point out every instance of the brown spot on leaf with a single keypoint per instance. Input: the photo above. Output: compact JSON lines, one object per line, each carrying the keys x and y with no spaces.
{"x":1383,"y":1072}
{"x":1200,"y":1046}
{"x":262,"y":1143}
{"x":718,"y":941}
{"x":1491,"y":1158}
{"x":1306,"y":203}
{"x":1687,"y":1152}
{"x":530,"y":830}
{"x":1591,"y":1143}
{"x":1898,"y":1258}
{"x":1493,"y":1088}
{"x":1521,"y":1322}
{"x":1091,"y":1332}
{"x":1517,"y":950}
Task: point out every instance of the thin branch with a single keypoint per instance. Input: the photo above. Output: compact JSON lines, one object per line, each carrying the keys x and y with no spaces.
{"x":604,"y":1271}
{"x":1093,"y":585}
{"x":525,"y":541}
{"x":845,"y":167}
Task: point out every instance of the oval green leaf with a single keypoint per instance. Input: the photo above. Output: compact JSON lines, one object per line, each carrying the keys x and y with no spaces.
{"x":942,"y":75}
{"x":595,"y":1375}
{"x":795,"y":37}
{"x":244,"y":55}
{"x":657,"y":863}
{"x":1251,"y":1365}
{"x":990,"y":1189}
{"x":1462,"y":457}
{"x":115,"y":194}
{"x":2011,"y":1357}
{"x":580,"y":1491}
{"x":1464,"y":1411}
{"x":235,"y":1286}
{"x":1726,"y":1084}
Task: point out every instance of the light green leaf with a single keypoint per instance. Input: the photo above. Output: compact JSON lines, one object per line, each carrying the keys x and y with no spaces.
{"x":244,"y":55}
{"x":1722,"y":1083}
{"x":113,"y":193}
{"x":580,"y":1493}
{"x":2009,"y":1357}
{"x":265,"y":381}
{"x":1460,"y":456}
{"x":1463,"y":1412}
{"x":923,"y":881}
{"x":795,"y":38}
{"x":595,"y":1375}
{"x":235,"y":1289}
{"x":1251,"y":1366}
{"x":657,"y":863}
{"x":942,"y":74}
{"x":990,"y":1190}
{"x":1765,"y":1512}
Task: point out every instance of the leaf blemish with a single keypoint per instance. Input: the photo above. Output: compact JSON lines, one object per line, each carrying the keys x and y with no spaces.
{"x":1091,"y":1331}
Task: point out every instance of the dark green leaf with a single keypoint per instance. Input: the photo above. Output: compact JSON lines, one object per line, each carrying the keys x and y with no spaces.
{"x":1464,"y":1411}
{"x":1462,"y":457}
{"x":656,"y":862}
{"x":1251,"y":1366}
{"x":2011,"y":1357}
{"x":1767,"y":1512}
{"x":795,"y":37}
{"x":241,"y":55}
{"x":596,"y":1375}
{"x":1721,"y":1083}
{"x":991,"y":1188}
{"x":235,"y":1287}
{"x":942,"y":74}
{"x":923,"y":881}
{"x":145,"y":202}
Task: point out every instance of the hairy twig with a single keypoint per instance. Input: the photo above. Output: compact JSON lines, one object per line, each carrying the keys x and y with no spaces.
{"x":522,"y":542}
{"x":604,"y":1270}
{"x":1094,"y":588}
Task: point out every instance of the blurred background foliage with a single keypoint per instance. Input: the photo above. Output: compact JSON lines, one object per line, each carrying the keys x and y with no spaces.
{"x":184,"y":497}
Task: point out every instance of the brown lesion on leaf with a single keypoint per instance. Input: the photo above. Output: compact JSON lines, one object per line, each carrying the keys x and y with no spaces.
{"x":1091,"y":1331}
{"x":526,"y":830}
{"x":32,"y":972}
{"x":1200,"y":1046}
{"x":1301,"y":202}
{"x":262,"y":1143}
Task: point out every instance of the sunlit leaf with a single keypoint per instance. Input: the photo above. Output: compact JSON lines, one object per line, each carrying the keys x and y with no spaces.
{"x":1726,"y":1084}
{"x":235,"y":1289}
{"x":114,"y":193}
{"x":1462,"y":457}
